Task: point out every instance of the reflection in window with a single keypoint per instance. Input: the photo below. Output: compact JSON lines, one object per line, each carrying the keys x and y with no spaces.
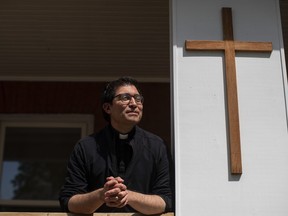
{"x":34,"y":161}
{"x":9,"y":170}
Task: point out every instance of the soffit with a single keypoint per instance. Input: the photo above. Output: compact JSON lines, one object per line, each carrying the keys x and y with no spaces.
{"x":89,"y":40}
{"x":93,"y":40}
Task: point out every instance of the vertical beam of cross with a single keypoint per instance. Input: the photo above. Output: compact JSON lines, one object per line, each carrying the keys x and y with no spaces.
{"x":229,"y":46}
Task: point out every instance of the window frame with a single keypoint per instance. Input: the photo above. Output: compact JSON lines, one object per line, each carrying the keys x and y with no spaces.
{"x":83,"y":121}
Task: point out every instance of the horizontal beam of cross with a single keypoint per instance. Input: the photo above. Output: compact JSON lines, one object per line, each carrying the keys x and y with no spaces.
{"x":220,"y":46}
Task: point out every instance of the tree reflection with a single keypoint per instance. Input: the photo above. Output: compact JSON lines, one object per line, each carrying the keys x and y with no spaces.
{"x":38,"y":180}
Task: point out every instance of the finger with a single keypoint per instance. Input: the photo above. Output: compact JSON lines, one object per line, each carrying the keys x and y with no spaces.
{"x":110,"y":183}
{"x":122,"y":187}
{"x":122,"y":202}
{"x":112,"y":199}
{"x":118,"y":203}
{"x":119,"y":179}
{"x":109,"y":178}
{"x":122,"y":194}
{"x":112,"y":192}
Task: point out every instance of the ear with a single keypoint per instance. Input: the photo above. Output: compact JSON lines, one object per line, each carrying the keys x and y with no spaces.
{"x":107,"y":108}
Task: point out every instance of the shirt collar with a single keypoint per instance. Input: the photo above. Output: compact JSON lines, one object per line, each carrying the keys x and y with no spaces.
{"x":123,"y":136}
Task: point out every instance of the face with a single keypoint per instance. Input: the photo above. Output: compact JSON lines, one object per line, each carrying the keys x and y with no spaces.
{"x":124,"y":115}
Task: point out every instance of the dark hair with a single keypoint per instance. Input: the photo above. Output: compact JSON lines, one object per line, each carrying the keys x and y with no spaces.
{"x":110,"y":89}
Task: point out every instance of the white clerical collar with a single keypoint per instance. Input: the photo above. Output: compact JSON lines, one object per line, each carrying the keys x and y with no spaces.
{"x":123,"y":136}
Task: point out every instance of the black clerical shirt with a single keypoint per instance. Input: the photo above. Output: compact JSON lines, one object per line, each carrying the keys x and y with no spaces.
{"x":124,"y":153}
{"x":95,"y":157}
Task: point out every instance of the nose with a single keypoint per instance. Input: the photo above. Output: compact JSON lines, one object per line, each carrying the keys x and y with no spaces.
{"x":132,"y":102}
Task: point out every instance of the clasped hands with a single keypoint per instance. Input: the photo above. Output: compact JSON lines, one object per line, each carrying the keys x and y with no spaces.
{"x":115,"y":192}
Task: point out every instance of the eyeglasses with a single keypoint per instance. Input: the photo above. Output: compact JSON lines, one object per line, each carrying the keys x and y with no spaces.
{"x":126,"y":98}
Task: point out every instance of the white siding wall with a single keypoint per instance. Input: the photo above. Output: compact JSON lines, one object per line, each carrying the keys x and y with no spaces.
{"x":204,"y":185}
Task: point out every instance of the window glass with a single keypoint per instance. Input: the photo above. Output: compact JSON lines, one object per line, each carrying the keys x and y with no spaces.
{"x":34,"y":161}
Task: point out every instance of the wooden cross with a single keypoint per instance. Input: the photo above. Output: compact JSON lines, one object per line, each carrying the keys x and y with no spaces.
{"x":229,"y":46}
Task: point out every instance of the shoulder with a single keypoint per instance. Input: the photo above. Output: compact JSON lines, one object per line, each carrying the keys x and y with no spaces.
{"x":94,"y":139}
{"x":150,"y":139}
{"x":90,"y":147}
{"x":147,"y":134}
{"x":151,"y":145}
{"x":87,"y":142}
{"x":91,"y":142}
{"x":83,"y":148}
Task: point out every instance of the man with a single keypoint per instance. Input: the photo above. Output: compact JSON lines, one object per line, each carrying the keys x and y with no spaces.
{"x":122,"y":168}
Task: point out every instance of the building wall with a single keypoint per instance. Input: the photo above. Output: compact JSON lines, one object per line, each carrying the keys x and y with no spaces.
{"x":204,"y":183}
{"x":83,"y":98}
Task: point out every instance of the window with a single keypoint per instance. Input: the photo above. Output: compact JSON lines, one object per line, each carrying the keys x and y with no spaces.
{"x":34,"y":150}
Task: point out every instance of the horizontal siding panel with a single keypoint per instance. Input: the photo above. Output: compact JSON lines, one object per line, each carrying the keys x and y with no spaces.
{"x":84,"y":38}
{"x":93,"y":38}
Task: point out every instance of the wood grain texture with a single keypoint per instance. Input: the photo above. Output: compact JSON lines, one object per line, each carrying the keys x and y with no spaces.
{"x":229,"y":46}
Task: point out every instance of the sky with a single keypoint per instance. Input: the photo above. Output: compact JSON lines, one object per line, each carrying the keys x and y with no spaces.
{"x":9,"y":170}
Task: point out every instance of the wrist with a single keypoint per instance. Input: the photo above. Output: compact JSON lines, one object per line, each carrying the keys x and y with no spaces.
{"x":101,"y":194}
